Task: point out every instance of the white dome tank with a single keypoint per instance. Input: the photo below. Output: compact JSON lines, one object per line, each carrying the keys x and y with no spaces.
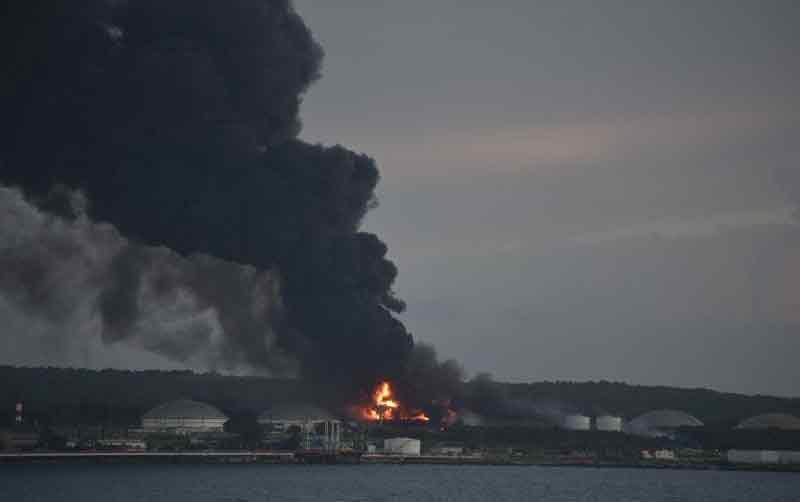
{"x":608,"y":423}
{"x":577,"y":423}
{"x":184,"y":416}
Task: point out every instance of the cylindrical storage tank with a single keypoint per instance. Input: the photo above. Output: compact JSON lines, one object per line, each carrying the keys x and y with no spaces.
{"x":402,"y":446}
{"x":577,"y":423}
{"x":608,"y":423}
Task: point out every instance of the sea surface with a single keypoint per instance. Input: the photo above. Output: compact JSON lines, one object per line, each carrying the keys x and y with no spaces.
{"x":238,"y":483}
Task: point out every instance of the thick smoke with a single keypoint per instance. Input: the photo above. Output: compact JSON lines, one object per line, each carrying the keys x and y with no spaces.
{"x":488,"y":398}
{"x":197,"y":308}
{"x":178,"y":120}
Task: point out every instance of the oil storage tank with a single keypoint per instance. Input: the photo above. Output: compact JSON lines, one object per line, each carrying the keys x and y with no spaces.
{"x":577,"y":423}
{"x":660,"y":423}
{"x":779,"y":421}
{"x":402,"y":446}
{"x":608,"y":423}
{"x":184,"y":416}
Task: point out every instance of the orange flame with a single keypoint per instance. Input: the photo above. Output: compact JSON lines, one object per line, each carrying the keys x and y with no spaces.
{"x":420,"y":417}
{"x":383,"y":397}
{"x":385,"y":408}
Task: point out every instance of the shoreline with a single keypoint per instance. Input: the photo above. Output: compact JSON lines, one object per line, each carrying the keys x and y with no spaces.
{"x":326,"y":458}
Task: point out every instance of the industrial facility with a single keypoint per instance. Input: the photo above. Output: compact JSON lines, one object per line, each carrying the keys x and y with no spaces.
{"x":315,"y":427}
{"x":266,"y":426}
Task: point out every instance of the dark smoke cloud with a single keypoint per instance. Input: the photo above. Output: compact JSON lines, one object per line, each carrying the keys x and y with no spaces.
{"x":431,"y":381}
{"x":489,"y":398}
{"x":177,"y":120}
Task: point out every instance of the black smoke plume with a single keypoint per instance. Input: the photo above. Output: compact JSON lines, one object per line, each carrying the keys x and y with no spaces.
{"x":175,"y":122}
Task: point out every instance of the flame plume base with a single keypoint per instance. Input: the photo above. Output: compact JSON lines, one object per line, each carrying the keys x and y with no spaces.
{"x":385,"y":408}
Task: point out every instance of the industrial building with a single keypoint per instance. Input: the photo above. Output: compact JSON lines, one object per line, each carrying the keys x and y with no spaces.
{"x":402,"y":446}
{"x":780,"y":421}
{"x":318,"y":428}
{"x":184,"y":417}
{"x":661,"y":422}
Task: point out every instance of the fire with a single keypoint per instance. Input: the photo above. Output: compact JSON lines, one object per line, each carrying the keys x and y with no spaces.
{"x":420,"y":417}
{"x":384,"y":408}
{"x":383,"y":397}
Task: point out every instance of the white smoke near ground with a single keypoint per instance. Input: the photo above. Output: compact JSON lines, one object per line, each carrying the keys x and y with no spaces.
{"x":71,"y":277}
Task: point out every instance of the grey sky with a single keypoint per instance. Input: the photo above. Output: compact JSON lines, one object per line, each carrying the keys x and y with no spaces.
{"x":580,"y":190}
{"x":573,"y":190}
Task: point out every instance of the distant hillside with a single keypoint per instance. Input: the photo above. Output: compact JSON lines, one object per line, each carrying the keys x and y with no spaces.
{"x":67,"y":395}
{"x":77,"y":395}
{"x":710,"y":406}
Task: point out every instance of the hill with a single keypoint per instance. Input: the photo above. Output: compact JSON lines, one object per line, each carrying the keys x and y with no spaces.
{"x":64,"y":395}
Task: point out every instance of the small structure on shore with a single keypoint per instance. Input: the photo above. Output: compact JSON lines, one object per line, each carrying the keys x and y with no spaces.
{"x":402,"y":446}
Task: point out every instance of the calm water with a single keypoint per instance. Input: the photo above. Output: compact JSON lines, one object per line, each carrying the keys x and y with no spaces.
{"x":236,"y":483}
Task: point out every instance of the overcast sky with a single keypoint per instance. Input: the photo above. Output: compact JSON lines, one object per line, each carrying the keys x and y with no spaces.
{"x":580,"y":190}
{"x":572,"y":190}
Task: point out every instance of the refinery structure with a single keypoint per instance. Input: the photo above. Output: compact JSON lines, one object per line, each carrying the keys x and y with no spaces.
{"x":316,"y":428}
